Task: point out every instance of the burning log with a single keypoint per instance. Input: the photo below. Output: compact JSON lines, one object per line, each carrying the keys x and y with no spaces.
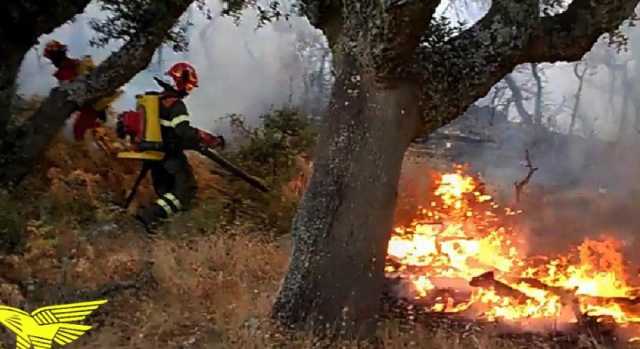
{"x":567,"y":297}
{"x":487,"y":280}
{"x":570,"y":298}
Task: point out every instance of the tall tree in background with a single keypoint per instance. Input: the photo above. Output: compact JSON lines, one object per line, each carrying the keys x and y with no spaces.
{"x":401,"y":73}
{"x":580,"y":72}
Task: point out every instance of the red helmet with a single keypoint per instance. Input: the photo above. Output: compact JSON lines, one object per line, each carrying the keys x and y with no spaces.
{"x":184,"y":76}
{"x":54,"y":48}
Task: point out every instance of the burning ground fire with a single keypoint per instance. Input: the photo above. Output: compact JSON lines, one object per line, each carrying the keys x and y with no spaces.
{"x":462,"y":254}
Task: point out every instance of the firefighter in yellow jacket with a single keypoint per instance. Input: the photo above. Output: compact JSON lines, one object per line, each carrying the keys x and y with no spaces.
{"x":172,"y":176}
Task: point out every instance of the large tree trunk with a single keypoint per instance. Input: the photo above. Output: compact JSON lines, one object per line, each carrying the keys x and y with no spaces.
{"x":342,"y":227}
{"x":344,"y":221}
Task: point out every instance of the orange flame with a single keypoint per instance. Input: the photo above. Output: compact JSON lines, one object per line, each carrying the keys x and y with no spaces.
{"x":462,"y":235}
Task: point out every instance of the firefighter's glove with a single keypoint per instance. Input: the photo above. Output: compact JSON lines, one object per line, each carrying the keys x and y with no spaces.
{"x":207,"y":140}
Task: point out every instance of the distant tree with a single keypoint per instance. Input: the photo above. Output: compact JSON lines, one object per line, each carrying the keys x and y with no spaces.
{"x":580,"y":71}
{"x":401,"y":73}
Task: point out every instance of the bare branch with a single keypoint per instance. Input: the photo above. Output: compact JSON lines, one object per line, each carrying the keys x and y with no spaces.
{"x":519,"y":186}
{"x":539,"y":87}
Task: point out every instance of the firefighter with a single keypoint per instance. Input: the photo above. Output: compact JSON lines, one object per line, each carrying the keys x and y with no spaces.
{"x":68,"y":69}
{"x":172,"y":177}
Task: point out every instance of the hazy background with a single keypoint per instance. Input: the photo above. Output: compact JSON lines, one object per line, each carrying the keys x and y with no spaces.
{"x":587,"y":184}
{"x":242,"y":69}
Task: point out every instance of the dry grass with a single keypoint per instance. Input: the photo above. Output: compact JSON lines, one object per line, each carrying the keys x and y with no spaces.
{"x":209,"y":292}
{"x":212,"y":287}
{"x":216,"y":292}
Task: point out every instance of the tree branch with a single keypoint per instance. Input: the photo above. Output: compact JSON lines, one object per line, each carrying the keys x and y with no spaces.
{"x":571,"y":34}
{"x":22,"y":22}
{"x":519,"y":185}
{"x":464,"y":68}
{"x":405,"y":23}
{"x":383,"y":35}
{"x":460,"y":70}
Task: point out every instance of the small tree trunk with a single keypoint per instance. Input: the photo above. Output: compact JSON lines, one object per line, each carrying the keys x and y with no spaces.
{"x":344,"y":221}
{"x":580,"y":76}
{"x":11,"y":58}
{"x":539,"y":94}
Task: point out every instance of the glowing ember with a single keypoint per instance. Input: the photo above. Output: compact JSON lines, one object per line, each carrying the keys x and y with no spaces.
{"x":463,"y":236}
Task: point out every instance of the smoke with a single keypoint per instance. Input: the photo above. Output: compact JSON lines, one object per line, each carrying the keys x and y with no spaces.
{"x":587,"y":184}
{"x":242,"y":69}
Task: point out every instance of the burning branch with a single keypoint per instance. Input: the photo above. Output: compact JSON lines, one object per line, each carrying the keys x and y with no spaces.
{"x":488,"y":280}
{"x":519,"y":186}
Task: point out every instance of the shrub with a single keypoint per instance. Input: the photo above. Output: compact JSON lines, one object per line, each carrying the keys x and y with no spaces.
{"x":12,"y":224}
{"x":275,"y":152}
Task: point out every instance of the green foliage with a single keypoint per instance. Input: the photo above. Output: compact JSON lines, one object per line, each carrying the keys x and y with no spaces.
{"x":441,"y":30}
{"x":269,"y":152}
{"x":127,"y":18}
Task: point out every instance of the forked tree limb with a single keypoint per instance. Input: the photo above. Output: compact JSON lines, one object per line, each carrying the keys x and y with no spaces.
{"x":519,"y":185}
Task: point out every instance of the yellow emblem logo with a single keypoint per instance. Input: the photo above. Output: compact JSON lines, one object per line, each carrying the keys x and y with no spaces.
{"x":50,"y":324}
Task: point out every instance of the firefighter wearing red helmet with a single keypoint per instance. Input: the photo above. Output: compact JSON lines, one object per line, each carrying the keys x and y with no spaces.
{"x":172,"y":177}
{"x":68,"y":69}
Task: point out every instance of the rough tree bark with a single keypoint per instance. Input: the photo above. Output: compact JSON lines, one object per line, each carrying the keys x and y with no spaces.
{"x":389,"y":90}
{"x":23,"y":145}
{"x":21,"y":24}
{"x":338,"y":240}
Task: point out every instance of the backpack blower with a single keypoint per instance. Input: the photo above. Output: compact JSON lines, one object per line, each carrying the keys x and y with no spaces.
{"x":142,"y":128}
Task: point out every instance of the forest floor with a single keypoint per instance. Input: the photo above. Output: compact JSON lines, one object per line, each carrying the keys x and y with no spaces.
{"x":195,"y":285}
